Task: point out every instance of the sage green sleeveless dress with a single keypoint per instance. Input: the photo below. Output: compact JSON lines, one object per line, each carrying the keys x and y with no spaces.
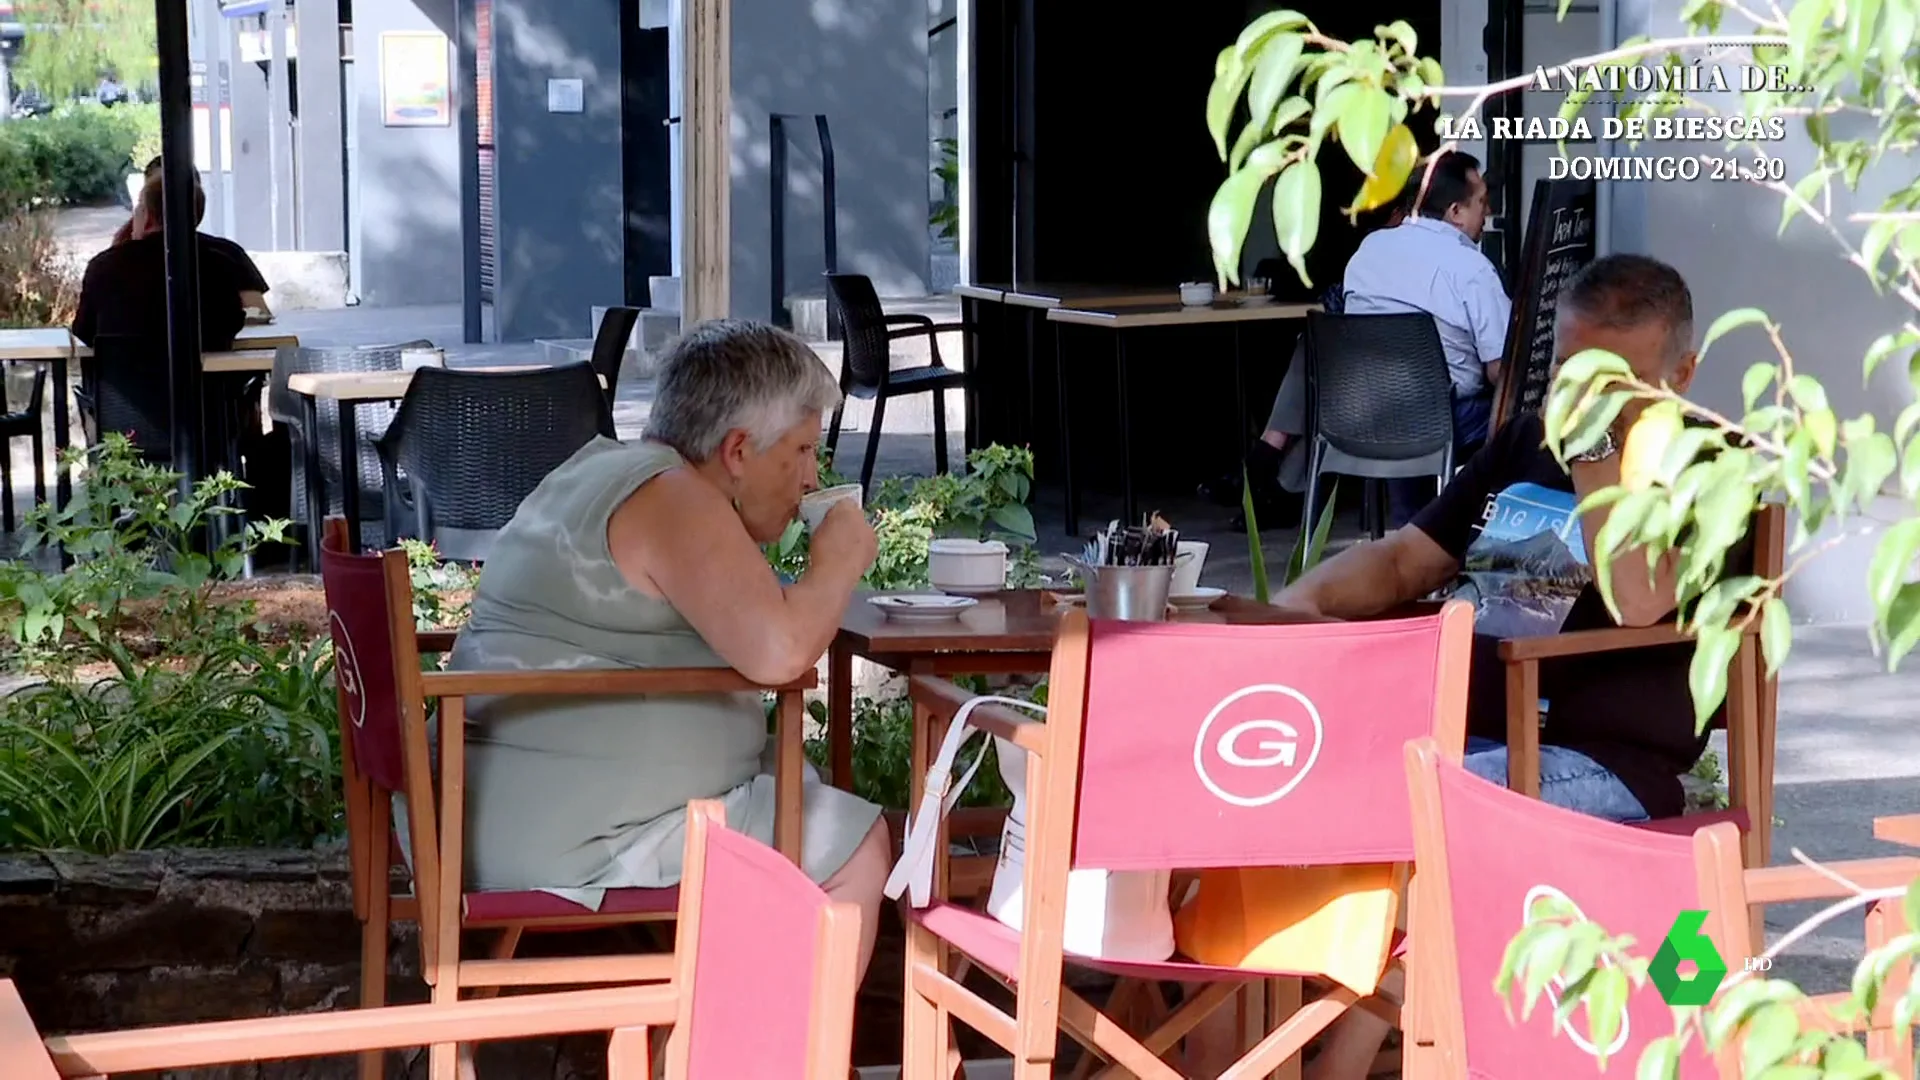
{"x":574,"y":795}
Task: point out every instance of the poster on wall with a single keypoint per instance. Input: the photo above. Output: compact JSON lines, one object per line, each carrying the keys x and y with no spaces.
{"x":415,"y":79}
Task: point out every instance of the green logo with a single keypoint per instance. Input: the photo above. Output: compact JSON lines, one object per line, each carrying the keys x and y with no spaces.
{"x":1686,"y":942}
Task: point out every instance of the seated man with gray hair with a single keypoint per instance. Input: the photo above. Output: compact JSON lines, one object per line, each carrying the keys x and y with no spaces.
{"x":1617,"y":728}
{"x":648,"y":555}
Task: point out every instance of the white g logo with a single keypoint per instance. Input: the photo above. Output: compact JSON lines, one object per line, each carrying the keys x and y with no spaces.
{"x":1260,"y":744}
{"x":1557,"y":984}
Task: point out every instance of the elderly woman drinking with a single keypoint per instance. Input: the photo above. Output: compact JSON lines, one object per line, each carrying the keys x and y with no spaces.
{"x":648,"y":555}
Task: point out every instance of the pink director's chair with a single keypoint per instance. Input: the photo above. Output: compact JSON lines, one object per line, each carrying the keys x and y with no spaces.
{"x":763,"y":988}
{"x":386,"y":755}
{"x":1487,"y":855}
{"x":1154,"y":708}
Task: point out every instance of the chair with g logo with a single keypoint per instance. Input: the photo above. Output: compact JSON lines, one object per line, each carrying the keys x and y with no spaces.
{"x":1492,"y":860}
{"x":1183,"y":746}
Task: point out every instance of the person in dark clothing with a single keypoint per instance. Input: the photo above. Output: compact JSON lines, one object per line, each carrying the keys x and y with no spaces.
{"x":253,"y":285}
{"x":124,"y":290}
{"x":1617,"y":729}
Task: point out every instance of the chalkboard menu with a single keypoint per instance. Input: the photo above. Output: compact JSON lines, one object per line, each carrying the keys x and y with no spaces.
{"x":1561,"y":230}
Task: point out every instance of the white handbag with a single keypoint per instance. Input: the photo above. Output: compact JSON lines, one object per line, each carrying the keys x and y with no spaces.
{"x":1111,"y":915}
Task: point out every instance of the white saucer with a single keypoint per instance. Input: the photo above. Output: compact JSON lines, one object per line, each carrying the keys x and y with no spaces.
{"x":1200,"y":599}
{"x":923,"y":607}
{"x":970,"y":590}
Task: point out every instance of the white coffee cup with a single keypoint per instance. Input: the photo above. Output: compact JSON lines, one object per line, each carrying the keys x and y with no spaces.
{"x":1196,"y":293}
{"x":814,"y":505}
{"x":1189,"y":558}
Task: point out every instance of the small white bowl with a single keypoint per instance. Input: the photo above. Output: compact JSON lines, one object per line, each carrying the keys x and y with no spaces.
{"x":1196,"y":293}
{"x":967,"y":566}
{"x":814,"y":506}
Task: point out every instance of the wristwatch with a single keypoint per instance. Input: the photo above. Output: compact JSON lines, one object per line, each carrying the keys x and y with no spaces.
{"x":1600,"y":451}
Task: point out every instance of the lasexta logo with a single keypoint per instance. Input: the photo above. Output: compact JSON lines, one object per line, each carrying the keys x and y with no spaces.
{"x":1685,"y":942}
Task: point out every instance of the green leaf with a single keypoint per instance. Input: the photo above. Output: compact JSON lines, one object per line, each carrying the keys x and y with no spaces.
{"x":1770,"y":1033}
{"x":1272,"y":74}
{"x":1229,"y":216}
{"x":1660,"y":1060}
{"x":1016,"y":519}
{"x":1251,"y":137}
{"x":1398,"y":155}
{"x":1886,"y":345}
{"x":1329,"y":104}
{"x":1259,"y":30}
{"x":1707,"y":673}
{"x":1803,"y":30}
{"x":1364,"y":122}
{"x":1431,"y":72}
{"x":1606,"y":1007}
{"x":1821,"y":426}
{"x":1776,"y":634}
{"x":1755,"y":382}
{"x":1902,"y":624}
{"x":1230,"y":77}
{"x":1910,"y":904}
{"x":1296,"y":214}
{"x":1731,"y":321}
{"x":1255,"y":556}
{"x":1892,"y":559}
{"x":1290,"y":110}
{"x":1862,"y":16}
{"x":1874,"y":244}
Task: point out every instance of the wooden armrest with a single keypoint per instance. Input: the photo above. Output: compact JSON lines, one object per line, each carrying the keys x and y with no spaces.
{"x":1786,"y":884}
{"x":1900,"y":829}
{"x":926,"y":330}
{"x":943,"y":699}
{"x":1606,"y":639}
{"x":435,"y":641}
{"x":604,"y":681}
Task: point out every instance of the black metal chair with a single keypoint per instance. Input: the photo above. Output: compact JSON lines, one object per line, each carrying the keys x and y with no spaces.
{"x":317,"y":478}
{"x":24,"y":423}
{"x":610,"y":345}
{"x":1379,"y":402}
{"x":126,"y":387}
{"x":866,"y":369}
{"x":467,"y":447}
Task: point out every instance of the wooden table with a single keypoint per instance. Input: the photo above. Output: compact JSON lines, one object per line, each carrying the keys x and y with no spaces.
{"x":1136,"y":316}
{"x":56,"y":346}
{"x":354,"y":388}
{"x":1008,"y":633}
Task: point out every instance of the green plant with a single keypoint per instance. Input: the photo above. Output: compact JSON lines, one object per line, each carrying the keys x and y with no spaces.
{"x":160,"y":719}
{"x":442,"y":590}
{"x":137,"y":558}
{"x":72,"y":42}
{"x":945,"y":213}
{"x":1850,"y":75}
{"x":37,"y":286}
{"x":1307,"y":550}
{"x":81,"y":153}
{"x":987,"y":501}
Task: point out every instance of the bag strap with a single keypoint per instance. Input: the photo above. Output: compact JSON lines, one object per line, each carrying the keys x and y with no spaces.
{"x":913,"y":874}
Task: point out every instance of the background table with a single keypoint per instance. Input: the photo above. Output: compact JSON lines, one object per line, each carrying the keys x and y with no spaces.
{"x":1119,"y":318}
{"x":55,"y":345}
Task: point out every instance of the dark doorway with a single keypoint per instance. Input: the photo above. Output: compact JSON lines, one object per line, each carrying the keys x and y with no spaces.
{"x":647,"y":170}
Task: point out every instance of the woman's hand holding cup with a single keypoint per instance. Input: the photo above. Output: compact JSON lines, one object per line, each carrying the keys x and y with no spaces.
{"x":844,"y":539}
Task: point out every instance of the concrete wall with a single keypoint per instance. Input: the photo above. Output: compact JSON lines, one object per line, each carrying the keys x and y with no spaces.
{"x":558,"y":173}
{"x":1722,"y":236}
{"x":864,"y":64}
{"x":408,"y":182}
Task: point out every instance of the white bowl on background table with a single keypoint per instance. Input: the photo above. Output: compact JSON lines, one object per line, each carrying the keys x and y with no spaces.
{"x":967,"y":567}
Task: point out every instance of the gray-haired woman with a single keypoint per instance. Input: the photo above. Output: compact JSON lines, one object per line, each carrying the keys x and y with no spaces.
{"x":648,"y":555}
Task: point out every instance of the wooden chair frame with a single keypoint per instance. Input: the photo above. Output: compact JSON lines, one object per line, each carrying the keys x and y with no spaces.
{"x":1726,"y":888}
{"x":436,"y":820}
{"x":1751,"y":706}
{"x":933,"y":997}
{"x":628,"y":1011}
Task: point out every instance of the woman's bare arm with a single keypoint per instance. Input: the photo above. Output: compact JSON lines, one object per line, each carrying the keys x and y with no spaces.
{"x":679,"y":539}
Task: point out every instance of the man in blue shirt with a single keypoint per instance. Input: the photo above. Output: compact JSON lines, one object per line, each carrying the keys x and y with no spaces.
{"x":1429,"y":262}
